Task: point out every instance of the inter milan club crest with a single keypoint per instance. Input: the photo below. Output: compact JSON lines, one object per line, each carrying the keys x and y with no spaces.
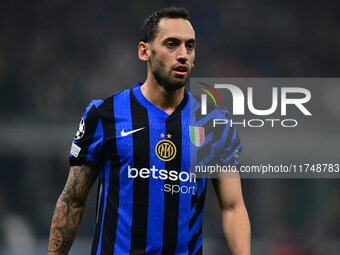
{"x":81,"y":129}
{"x":165,"y":149}
{"x":197,"y":135}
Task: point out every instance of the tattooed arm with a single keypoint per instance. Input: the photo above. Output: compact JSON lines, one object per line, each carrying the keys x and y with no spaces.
{"x":70,"y":208}
{"x":235,"y":221}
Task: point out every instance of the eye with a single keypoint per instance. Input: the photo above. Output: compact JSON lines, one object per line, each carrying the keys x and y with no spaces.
{"x":170,"y":45}
{"x":190,"y":46}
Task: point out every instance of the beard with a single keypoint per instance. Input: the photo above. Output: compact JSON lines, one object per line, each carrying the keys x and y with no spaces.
{"x":164,"y":77}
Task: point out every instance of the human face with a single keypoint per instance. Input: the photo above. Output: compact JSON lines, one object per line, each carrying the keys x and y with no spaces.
{"x":172,"y":53}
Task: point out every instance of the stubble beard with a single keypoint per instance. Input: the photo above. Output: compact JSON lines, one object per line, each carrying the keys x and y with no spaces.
{"x":164,"y":77}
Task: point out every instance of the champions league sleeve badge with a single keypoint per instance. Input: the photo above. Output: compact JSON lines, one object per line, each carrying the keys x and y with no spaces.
{"x":81,"y":130}
{"x":237,"y":155}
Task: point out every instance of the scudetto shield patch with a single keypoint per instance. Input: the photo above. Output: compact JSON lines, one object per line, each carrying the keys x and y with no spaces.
{"x":197,"y":135}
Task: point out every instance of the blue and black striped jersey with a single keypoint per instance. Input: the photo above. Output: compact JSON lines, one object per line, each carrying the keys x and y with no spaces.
{"x":149,"y":202}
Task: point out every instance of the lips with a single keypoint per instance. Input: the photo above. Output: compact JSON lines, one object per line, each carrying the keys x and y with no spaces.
{"x":180,"y":69}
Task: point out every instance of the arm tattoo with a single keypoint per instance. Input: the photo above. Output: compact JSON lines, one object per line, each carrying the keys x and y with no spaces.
{"x":70,"y":208}
{"x":56,"y":239}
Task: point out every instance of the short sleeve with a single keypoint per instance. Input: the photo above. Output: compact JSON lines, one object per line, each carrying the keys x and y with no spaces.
{"x":88,"y":141}
{"x":232,"y":147}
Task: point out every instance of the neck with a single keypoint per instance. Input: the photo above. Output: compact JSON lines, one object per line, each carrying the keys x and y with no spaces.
{"x":167,"y":100}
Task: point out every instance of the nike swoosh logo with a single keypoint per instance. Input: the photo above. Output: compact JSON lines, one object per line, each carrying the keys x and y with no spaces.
{"x":130,"y":132}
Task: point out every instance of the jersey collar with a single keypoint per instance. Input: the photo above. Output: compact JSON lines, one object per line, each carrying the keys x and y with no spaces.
{"x":144,"y":102}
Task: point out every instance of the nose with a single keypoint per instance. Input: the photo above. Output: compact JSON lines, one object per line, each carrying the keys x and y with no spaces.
{"x":182,"y":55}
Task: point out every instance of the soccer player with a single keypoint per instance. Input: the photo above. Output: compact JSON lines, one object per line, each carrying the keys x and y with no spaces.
{"x":138,"y":143}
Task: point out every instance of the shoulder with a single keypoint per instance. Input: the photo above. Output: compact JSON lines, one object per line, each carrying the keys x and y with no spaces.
{"x":207,"y":110}
{"x":94,"y":104}
{"x":107,"y":103}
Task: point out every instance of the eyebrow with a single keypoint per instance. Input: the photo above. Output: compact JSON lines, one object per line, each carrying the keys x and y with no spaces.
{"x":191,"y":40}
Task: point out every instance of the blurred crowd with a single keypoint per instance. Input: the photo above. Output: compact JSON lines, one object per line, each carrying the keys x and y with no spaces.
{"x":56,"y":56}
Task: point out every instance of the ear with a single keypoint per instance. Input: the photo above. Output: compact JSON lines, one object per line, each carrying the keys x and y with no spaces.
{"x":144,"y":51}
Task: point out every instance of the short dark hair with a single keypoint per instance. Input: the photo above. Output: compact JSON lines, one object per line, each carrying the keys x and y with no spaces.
{"x":150,"y":25}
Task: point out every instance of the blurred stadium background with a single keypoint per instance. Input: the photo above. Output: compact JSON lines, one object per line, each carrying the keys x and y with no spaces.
{"x":56,"y":56}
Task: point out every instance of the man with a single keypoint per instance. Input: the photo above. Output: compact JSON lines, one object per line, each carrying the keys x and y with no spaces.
{"x":137,"y":142}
